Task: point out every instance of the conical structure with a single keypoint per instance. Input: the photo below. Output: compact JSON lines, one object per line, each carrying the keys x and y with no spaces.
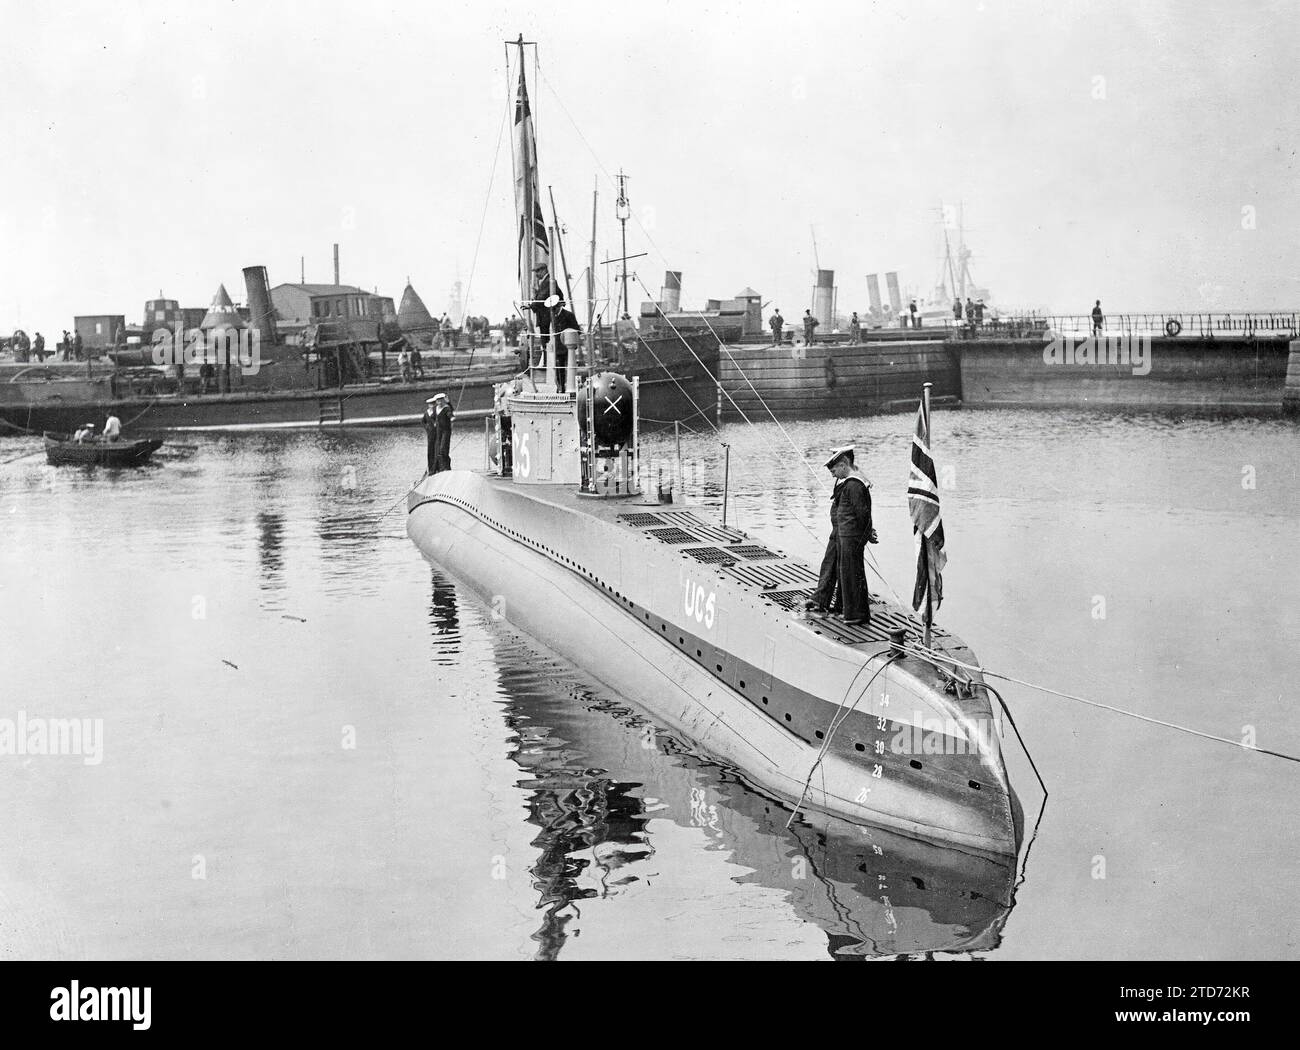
{"x":412,"y":314}
{"x":222,"y":312}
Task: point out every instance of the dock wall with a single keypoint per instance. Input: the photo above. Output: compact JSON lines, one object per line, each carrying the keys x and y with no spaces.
{"x":1209,"y":375}
{"x":1291,"y":391}
{"x":829,"y":380}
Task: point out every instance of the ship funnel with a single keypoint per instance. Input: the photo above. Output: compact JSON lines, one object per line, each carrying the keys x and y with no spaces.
{"x":895,"y":297}
{"x":670,"y":296}
{"x":261,"y":313}
{"x":824,"y":299}
{"x":873,"y":290}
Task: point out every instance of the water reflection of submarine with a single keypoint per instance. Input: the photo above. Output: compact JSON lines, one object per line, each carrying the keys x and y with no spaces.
{"x":871,"y":891}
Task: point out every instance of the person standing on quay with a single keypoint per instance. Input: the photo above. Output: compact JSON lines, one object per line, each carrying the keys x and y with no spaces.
{"x":809,"y":323}
{"x":776,"y":324}
{"x":1098,"y":319}
{"x":855,"y":328}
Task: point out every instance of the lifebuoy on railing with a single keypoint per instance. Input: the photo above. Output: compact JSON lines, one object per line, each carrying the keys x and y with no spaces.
{"x":1173,"y":326}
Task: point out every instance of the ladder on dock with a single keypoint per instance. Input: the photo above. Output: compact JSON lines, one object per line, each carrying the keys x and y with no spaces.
{"x":330,"y":410}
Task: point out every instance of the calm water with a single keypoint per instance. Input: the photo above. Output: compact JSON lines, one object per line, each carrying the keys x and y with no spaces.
{"x":316,"y":746}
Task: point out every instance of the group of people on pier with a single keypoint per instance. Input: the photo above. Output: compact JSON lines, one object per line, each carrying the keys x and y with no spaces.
{"x":71,"y":347}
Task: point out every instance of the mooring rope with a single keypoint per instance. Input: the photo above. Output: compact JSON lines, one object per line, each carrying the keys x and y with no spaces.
{"x":937,"y":657}
{"x":835,"y":724}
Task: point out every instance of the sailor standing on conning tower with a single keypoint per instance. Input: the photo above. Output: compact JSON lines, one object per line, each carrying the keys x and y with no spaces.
{"x":842,"y":582}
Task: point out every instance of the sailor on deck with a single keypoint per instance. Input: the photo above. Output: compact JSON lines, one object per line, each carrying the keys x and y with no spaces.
{"x":437,"y":427}
{"x":502,"y":393}
{"x":562,"y":321}
{"x":842,"y":583}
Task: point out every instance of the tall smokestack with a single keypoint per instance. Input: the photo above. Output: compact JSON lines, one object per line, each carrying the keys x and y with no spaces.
{"x":824,"y":299}
{"x":261,"y":314}
{"x":670,"y":296}
{"x":895,"y":297}
{"x":873,"y":290}
{"x":336,"y":264}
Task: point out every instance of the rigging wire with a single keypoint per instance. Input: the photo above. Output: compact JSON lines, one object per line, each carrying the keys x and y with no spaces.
{"x":871,"y":560}
{"x":482,"y":222}
{"x":835,"y":723}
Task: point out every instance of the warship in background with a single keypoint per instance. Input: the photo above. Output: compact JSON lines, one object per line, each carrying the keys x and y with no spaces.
{"x":955,"y":282}
{"x":326,"y":356}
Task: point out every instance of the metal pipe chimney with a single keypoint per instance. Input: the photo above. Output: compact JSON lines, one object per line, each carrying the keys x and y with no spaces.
{"x":895,"y":297}
{"x":336,"y":265}
{"x":824,"y":299}
{"x":261,"y":312}
{"x":670,"y":296}
{"x":873,"y":290}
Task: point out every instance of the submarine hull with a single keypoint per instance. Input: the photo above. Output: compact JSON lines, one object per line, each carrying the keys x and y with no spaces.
{"x":700,"y":646}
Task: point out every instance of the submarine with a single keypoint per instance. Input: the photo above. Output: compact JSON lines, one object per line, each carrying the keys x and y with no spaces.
{"x":700,"y":625}
{"x":694,"y":621}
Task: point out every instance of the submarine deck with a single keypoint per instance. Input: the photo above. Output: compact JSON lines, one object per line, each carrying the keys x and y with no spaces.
{"x":769,"y":574}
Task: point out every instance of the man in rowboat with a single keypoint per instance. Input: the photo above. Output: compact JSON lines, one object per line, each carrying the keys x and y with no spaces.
{"x":842,"y":582}
{"x":85,"y":433}
{"x":112,"y":428}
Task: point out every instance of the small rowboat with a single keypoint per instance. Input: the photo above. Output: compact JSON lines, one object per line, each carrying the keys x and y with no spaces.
{"x":61,"y":450}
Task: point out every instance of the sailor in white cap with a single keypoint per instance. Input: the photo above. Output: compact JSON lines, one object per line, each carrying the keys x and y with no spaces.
{"x":842,"y":582}
{"x":562,"y":320}
{"x":437,"y":428}
{"x":85,"y":433}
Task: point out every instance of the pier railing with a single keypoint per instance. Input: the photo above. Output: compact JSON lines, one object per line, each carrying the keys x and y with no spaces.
{"x":1193,"y":325}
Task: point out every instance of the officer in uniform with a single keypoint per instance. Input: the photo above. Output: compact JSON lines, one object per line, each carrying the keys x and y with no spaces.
{"x":842,"y":582}
{"x":562,"y":320}
{"x":437,"y":427}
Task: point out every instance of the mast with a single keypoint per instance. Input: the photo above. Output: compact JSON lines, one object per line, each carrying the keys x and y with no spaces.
{"x":591,"y":282}
{"x":559,"y":243}
{"x":623,"y":209}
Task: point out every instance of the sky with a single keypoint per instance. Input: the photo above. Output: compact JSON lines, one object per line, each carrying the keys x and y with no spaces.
{"x":1143,"y":154}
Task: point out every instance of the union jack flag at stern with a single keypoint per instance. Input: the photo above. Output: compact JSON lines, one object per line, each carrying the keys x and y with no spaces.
{"x":927,"y":525}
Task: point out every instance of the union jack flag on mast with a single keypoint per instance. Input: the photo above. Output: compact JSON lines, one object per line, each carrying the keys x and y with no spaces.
{"x":927,"y":525}
{"x":534,"y":246}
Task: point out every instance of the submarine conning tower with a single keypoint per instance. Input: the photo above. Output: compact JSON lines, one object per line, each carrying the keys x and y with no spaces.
{"x":587,"y":437}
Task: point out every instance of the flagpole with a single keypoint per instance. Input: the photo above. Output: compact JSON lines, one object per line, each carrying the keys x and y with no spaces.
{"x":925,"y":543}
